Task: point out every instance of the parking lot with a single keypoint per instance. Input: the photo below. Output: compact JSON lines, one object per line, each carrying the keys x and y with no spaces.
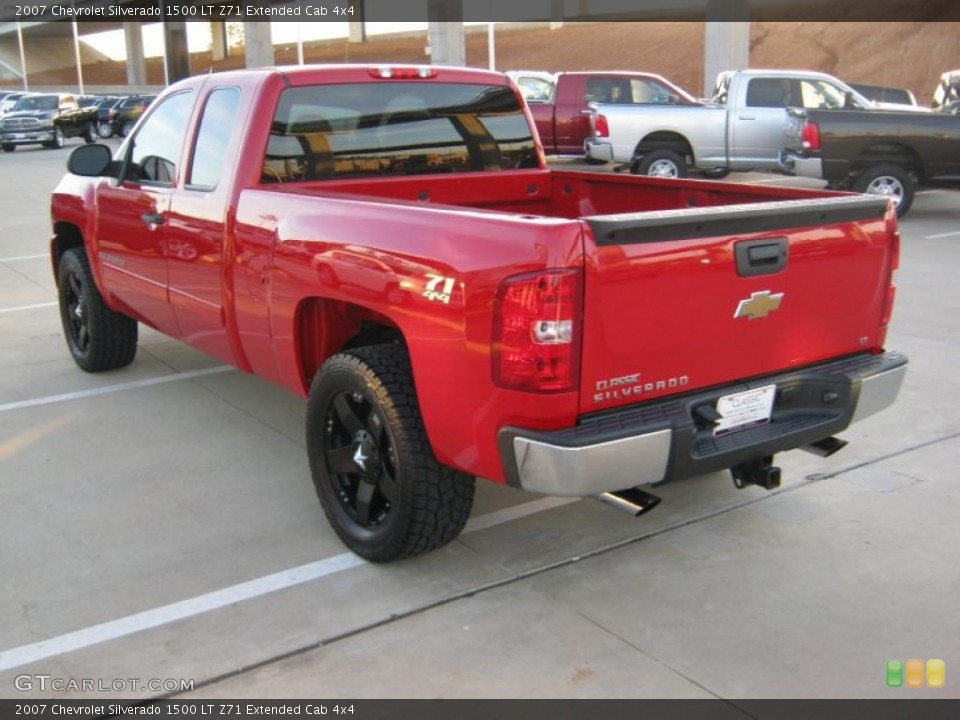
{"x":159,"y":527}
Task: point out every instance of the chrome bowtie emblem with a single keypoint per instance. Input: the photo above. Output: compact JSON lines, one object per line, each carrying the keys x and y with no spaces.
{"x":758,"y":305}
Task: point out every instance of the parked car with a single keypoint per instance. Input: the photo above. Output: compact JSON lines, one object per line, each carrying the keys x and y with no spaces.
{"x":562,"y":112}
{"x":879,"y":152}
{"x":389,"y":243}
{"x":128,"y":111}
{"x":889,"y":98}
{"x":6,"y":105}
{"x":742,"y":128}
{"x":106,"y":110}
{"x":46,"y":120}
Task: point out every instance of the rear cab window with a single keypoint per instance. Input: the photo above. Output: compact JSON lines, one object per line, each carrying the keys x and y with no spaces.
{"x":343,"y":131}
{"x":217,"y":123}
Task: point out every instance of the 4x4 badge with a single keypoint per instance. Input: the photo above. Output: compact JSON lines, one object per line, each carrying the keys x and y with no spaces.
{"x":759,"y":305}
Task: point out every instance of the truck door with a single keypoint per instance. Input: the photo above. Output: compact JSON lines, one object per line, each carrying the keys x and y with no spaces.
{"x":572,"y":116}
{"x":132,"y":214}
{"x":197,"y":227}
{"x":757,"y":121}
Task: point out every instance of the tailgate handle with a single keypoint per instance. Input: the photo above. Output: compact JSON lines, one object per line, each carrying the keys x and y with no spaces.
{"x":761,"y":257}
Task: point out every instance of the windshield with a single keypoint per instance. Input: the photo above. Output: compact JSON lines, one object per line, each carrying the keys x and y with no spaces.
{"x":411,"y":128}
{"x":37,"y":102}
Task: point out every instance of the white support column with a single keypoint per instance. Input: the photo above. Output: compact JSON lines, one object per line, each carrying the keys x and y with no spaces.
{"x":727,"y":39}
{"x":556,"y":14}
{"x":491,"y":46}
{"x":258,"y":44}
{"x":136,"y":60}
{"x":447,"y":43}
{"x":23,"y":57}
{"x":76,"y":56}
{"x":299,"y":45}
{"x":357,"y":32}
{"x":219,"y":47}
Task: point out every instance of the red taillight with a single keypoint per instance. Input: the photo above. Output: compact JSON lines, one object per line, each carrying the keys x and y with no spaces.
{"x":601,"y":128}
{"x":536,"y":334}
{"x":810,"y":135}
{"x":403,"y":73}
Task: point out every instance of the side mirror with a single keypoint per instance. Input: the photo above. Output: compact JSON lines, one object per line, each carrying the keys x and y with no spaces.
{"x":90,"y":160}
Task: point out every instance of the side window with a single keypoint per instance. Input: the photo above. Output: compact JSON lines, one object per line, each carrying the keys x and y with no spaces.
{"x":768,"y":92}
{"x":156,"y":146}
{"x":600,"y":90}
{"x":216,"y":128}
{"x":650,"y":92}
{"x":818,"y":94}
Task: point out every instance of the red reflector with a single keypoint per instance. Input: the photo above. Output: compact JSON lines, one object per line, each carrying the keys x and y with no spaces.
{"x":403,"y":73}
{"x":536,"y":333}
{"x":893,"y":228}
{"x":810,"y":135}
{"x":888,"y":305}
{"x":601,"y":126}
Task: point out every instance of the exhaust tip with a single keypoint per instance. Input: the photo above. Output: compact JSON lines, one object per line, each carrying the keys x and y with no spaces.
{"x":826,"y":447}
{"x":632,"y":501}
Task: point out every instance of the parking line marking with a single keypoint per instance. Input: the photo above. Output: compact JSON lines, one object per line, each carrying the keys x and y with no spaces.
{"x":941,"y":235}
{"x":27,"y":307}
{"x":23,"y":257}
{"x":157,"y":617}
{"x":107,"y":389}
{"x":498,"y":517}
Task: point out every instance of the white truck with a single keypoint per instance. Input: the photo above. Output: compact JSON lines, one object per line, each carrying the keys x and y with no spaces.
{"x":743,"y":127}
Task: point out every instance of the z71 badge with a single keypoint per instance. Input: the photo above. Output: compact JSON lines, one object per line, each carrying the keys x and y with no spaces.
{"x":439,"y":288}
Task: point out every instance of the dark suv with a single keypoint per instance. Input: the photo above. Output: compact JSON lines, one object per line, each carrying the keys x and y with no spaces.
{"x":127,"y":112}
{"x":46,"y":120}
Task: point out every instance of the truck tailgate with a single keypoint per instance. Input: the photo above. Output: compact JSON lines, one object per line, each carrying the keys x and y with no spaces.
{"x":687,"y":299}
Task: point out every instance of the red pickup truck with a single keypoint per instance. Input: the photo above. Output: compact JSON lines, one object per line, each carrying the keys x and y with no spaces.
{"x":388,"y":242}
{"x":562,"y":112}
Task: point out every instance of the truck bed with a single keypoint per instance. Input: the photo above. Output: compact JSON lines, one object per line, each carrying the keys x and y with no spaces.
{"x":555,"y":193}
{"x":664,"y":277}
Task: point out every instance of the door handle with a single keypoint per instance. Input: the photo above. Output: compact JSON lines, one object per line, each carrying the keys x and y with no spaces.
{"x":748,"y":117}
{"x":153,"y":218}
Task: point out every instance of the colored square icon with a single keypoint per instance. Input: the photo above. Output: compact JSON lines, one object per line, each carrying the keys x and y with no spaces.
{"x":936,"y":673}
{"x":915,"y":673}
{"x":894,"y":673}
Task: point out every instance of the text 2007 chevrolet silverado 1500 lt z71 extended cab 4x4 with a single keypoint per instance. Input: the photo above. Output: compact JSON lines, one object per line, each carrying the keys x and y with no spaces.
{"x":390,"y":243}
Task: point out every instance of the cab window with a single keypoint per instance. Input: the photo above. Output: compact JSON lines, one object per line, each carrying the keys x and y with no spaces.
{"x":769,"y":93}
{"x":155,"y":148}
{"x":213,"y":138}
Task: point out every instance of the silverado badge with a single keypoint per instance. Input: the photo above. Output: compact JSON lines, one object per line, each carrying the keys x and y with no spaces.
{"x":759,"y":305}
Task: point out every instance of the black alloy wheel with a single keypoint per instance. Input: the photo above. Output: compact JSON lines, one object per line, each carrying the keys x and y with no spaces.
{"x":361,"y":460}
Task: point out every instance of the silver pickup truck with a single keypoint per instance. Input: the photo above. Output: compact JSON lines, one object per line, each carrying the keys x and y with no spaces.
{"x":743,"y":127}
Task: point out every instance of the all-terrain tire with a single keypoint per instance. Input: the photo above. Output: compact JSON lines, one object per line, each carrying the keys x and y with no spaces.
{"x":99,"y":339}
{"x":380,"y":485}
